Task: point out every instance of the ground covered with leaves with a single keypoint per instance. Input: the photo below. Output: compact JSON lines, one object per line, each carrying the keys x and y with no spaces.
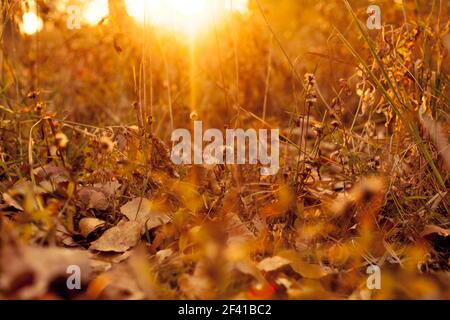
{"x":86,"y":177}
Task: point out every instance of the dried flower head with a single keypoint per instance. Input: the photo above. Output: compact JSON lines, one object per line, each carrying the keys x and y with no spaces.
{"x":106,"y":144}
{"x":61,"y":140}
{"x":368,"y":187}
{"x":310,"y":78}
{"x":40,"y":106}
{"x":33,"y":95}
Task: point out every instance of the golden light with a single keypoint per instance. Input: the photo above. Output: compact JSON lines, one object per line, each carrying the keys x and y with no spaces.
{"x":31,"y":23}
{"x":95,"y":10}
{"x":236,"y":5}
{"x":181,"y":15}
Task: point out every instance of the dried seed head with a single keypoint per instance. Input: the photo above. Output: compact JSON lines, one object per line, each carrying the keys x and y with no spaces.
{"x":106,"y":144}
{"x":343,"y":83}
{"x":39,"y":107}
{"x":359,"y":92}
{"x":334,"y":123}
{"x":359,"y":71}
{"x":318,"y":128}
{"x":341,"y":206}
{"x":61,"y":140}
{"x":310,"y":78}
{"x":370,"y":128}
{"x":311,"y":99}
{"x":375,"y":162}
{"x":33,"y":95}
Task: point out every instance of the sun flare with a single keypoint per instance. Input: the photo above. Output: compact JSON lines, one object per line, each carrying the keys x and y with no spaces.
{"x":31,"y":23}
{"x":184,"y":15}
{"x":95,"y":11}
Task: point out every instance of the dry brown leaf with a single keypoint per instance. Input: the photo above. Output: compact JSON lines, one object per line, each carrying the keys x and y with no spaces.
{"x":47,"y":186}
{"x":431,"y":229}
{"x":109,"y":188}
{"x":306,"y":270}
{"x":93,"y":199}
{"x":98,"y":265}
{"x":103,"y":261}
{"x":309,"y":271}
{"x":54,"y":174}
{"x":119,"y":238}
{"x":143,"y":211}
{"x":162,"y":255}
{"x":237,"y":230}
{"x":273,"y":263}
{"x":10,"y":202}
{"x":88,"y":225}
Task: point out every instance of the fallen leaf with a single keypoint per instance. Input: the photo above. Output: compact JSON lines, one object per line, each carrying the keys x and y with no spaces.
{"x":88,"y":225}
{"x":10,"y":202}
{"x":109,"y":188}
{"x":145,"y":212}
{"x":431,"y":229}
{"x":163,"y":254}
{"x":237,"y":231}
{"x":54,"y":174}
{"x":103,"y":261}
{"x":306,"y":270}
{"x":93,"y":199}
{"x":100,"y":265}
{"x":273,"y":263}
{"x":119,"y":238}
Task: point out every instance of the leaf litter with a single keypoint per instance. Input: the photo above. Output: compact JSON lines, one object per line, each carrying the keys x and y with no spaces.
{"x":361,"y":182}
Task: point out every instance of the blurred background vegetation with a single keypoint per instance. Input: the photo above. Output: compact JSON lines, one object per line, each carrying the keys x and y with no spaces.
{"x":364,"y":117}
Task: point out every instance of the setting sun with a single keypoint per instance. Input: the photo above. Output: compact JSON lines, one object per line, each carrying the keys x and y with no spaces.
{"x":181,"y":14}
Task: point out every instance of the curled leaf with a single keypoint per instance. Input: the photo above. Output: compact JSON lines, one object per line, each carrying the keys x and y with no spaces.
{"x":88,"y":225}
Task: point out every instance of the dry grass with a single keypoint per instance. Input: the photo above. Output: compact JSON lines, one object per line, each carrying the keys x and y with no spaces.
{"x":85,"y":124}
